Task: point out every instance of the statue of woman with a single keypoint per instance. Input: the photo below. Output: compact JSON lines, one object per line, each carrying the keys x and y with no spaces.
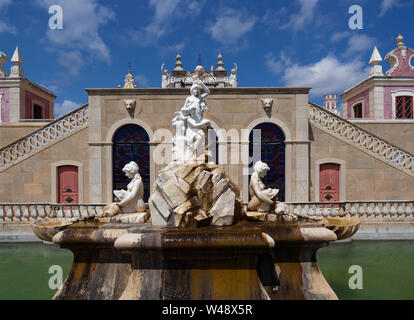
{"x":195,"y":106}
{"x":262,"y":199}
{"x":131,"y":199}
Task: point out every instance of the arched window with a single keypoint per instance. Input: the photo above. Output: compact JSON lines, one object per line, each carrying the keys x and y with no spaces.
{"x":358,"y":111}
{"x":37,"y":112}
{"x":131,"y":144}
{"x":404,"y":107}
{"x":272,"y":151}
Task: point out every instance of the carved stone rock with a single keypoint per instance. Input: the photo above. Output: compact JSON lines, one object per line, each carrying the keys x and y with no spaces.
{"x":194,"y":195}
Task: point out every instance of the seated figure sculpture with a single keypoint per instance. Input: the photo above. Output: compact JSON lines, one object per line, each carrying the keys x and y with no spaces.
{"x":130,"y":200}
{"x":262,"y":199}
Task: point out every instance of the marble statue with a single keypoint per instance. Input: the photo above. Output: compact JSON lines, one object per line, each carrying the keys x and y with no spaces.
{"x":233,"y":77}
{"x":262,"y":199}
{"x":131,"y":199}
{"x":190,"y":125}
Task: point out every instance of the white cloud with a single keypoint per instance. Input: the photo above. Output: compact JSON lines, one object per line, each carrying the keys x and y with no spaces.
{"x":387,"y":5}
{"x":65,"y":107}
{"x":166,"y":12}
{"x":5,"y":3}
{"x":6,"y":27}
{"x":338,"y":36}
{"x":299,"y":20}
{"x":279,"y":65}
{"x":329,"y":75}
{"x":359,"y":43}
{"x":80,"y":36}
{"x":231,"y":25}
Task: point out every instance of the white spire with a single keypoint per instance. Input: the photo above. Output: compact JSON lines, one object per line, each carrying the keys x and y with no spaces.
{"x":376,"y":69}
{"x":375,"y":57}
{"x":17,"y":57}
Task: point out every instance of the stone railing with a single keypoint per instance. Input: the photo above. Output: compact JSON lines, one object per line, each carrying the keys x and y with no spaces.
{"x":26,"y":146}
{"x":382,"y":210}
{"x":19,"y":212}
{"x":361,"y":139}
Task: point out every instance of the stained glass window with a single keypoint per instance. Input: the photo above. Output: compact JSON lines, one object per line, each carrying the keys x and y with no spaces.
{"x":272,"y":152}
{"x":131,"y":144}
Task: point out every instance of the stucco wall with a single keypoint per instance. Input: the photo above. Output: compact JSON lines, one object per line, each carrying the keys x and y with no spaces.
{"x":366,"y":177}
{"x":10,"y":132}
{"x":30,"y":180}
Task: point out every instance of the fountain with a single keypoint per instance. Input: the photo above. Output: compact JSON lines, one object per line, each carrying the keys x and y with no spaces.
{"x":196,"y":241}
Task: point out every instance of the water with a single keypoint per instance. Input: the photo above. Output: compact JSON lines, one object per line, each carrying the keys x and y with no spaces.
{"x":387,"y":269}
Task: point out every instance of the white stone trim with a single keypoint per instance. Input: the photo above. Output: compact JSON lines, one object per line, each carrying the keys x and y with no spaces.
{"x":398,"y":93}
{"x":54,"y":180}
{"x":409,"y":61}
{"x":123,"y":122}
{"x":342,"y":177}
{"x":359,"y":101}
{"x":288,"y":156}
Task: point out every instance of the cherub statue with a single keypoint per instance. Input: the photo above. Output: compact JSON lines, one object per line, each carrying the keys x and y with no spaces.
{"x":130,"y":200}
{"x":262,"y":199}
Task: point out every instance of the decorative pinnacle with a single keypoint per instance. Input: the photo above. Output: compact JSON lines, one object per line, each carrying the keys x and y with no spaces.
{"x":400,"y":39}
{"x":375,"y":57}
{"x":220,"y":64}
{"x":17,"y":57}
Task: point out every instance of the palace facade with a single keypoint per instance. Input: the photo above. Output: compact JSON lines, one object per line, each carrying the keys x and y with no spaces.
{"x":315,"y":154}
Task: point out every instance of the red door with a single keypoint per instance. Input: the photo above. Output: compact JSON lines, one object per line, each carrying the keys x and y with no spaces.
{"x":68,"y":184}
{"x":329,"y":182}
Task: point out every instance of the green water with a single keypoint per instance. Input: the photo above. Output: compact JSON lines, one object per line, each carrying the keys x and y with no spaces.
{"x":388,"y":269}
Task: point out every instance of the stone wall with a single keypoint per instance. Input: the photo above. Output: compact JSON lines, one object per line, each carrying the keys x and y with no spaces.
{"x":398,"y":133}
{"x":235,"y":109}
{"x":31,"y":179}
{"x":10,"y":132}
{"x":366,"y":178}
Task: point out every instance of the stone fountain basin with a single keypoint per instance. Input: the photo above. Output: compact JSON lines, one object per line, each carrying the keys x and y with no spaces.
{"x":344,"y":227}
{"x":46,"y":229}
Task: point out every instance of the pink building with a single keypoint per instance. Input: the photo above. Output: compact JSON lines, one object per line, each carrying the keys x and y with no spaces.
{"x":22,"y":100}
{"x":384,"y":97}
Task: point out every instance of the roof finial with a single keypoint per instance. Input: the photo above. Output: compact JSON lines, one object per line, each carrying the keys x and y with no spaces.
{"x":199,"y":60}
{"x":17,"y":57}
{"x":16,"y":70}
{"x":220,"y":64}
{"x":129,"y":79}
{"x":375,"y":57}
{"x":400,"y":39}
{"x":178,"y":63}
{"x":376,"y":70}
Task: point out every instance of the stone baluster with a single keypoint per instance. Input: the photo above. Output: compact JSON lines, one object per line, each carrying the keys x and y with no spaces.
{"x":377,"y":210}
{"x":60,"y":213}
{"x":26,"y":214}
{"x":34,"y":213}
{"x":2,"y":213}
{"x":384,"y":210}
{"x":352,"y":209}
{"x":18,"y":213}
{"x":325,"y":212}
{"x":393,"y":211}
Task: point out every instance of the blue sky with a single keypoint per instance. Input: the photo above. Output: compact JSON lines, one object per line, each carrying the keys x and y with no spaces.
{"x":275,"y":42}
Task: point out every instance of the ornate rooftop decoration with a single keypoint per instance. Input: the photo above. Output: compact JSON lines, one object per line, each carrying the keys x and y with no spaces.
{"x":401,"y":60}
{"x":3,"y":59}
{"x":129,"y":81}
{"x":376,"y":58}
{"x":181,"y":78}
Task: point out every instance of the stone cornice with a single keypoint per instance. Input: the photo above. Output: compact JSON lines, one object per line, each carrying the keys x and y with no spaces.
{"x":184,"y":91}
